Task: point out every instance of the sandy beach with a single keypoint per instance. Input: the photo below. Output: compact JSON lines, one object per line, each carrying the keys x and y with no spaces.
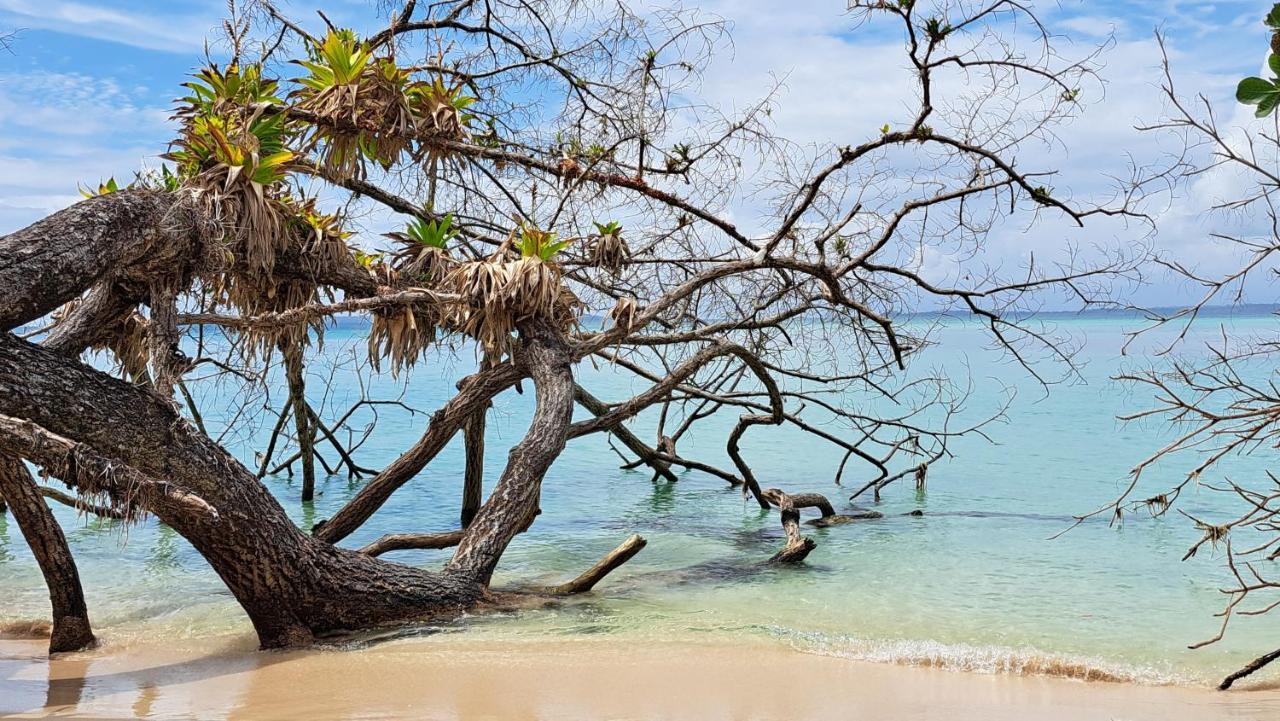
{"x":451,"y":677}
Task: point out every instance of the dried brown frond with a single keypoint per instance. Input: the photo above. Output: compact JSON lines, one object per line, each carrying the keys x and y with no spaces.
{"x":623,"y":314}
{"x":126,"y":340}
{"x":610,"y":252}
{"x":400,"y":335}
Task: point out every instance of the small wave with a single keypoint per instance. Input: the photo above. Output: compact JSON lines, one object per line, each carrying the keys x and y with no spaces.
{"x":979,"y":659}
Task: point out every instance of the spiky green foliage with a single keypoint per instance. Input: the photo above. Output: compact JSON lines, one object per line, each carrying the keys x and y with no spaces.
{"x":613,"y":227}
{"x":432,"y":233}
{"x":540,"y":244}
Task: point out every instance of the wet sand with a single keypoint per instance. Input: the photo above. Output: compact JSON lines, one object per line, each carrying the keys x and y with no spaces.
{"x":453,"y":677}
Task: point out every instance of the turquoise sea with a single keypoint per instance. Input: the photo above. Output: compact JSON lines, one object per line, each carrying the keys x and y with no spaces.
{"x":975,"y":583}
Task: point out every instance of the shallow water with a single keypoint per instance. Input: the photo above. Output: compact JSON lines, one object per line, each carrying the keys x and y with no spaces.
{"x":975,"y":583}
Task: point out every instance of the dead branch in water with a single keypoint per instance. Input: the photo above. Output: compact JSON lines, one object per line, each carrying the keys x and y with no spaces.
{"x":1252,"y":667}
{"x":611,"y":561}
{"x":797,"y":546}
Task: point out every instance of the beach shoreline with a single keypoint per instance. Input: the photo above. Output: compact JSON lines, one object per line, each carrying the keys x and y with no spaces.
{"x":451,"y":676}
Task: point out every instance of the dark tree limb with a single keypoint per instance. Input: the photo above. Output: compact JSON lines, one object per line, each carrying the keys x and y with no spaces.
{"x":81,"y":504}
{"x":473,"y":474}
{"x":83,"y":469}
{"x":71,"y":629}
{"x":476,"y":391}
{"x":267,"y":455}
{"x":86,"y":324}
{"x":353,"y":470}
{"x":647,"y":455}
{"x":1253,"y":666}
{"x":54,"y":260}
{"x":293,"y":367}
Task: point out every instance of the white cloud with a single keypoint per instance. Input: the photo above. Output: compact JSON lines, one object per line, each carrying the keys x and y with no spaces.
{"x":149,"y":30}
{"x":61,"y":130}
{"x":1094,"y":26}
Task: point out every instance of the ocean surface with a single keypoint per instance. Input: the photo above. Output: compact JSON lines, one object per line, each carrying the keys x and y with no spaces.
{"x":978,"y":582}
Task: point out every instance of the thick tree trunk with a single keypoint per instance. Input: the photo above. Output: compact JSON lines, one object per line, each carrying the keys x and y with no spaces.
{"x":53,"y":261}
{"x":102,"y":434}
{"x":71,"y":629}
{"x":292,"y":586}
{"x":293,"y":368}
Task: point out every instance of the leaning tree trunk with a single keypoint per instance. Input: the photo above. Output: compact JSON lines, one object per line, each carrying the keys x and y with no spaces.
{"x":102,"y":435}
{"x":291,"y":585}
{"x":71,"y":629}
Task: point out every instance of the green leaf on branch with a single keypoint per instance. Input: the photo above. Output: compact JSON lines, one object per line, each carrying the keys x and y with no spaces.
{"x":1273,"y":17}
{"x":1257,"y":91}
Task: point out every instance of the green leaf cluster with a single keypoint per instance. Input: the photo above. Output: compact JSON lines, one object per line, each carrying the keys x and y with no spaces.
{"x":432,"y":233}
{"x":106,"y":188}
{"x":613,"y":227}
{"x":1261,"y":92}
{"x":540,"y":244}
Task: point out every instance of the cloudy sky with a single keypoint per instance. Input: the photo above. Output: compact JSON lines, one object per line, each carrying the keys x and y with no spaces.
{"x":86,"y":91}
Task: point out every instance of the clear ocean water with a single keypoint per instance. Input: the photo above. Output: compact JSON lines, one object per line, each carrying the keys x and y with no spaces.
{"x":975,"y":583}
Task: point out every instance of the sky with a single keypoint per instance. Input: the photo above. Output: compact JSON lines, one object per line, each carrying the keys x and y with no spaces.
{"x":87,"y":88}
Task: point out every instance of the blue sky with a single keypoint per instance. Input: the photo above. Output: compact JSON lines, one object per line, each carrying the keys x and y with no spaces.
{"x":87,"y":90}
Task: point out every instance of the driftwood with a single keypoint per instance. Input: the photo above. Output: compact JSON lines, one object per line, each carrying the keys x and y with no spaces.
{"x":1253,"y":666}
{"x":797,"y":546}
{"x":589,"y":578}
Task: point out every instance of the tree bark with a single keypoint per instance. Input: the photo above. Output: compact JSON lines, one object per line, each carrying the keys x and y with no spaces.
{"x":514,"y":501}
{"x":291,"y":585}
{"x":293,"y":367}
{"x":71,"y":628}
{"x":52,"y":261}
